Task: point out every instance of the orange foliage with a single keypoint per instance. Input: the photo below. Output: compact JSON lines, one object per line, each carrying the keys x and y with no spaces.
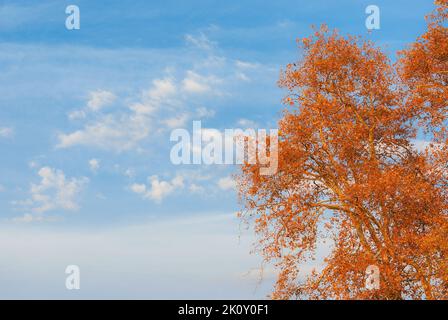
{"x":424,"y":68}
{"x":348,"y":172}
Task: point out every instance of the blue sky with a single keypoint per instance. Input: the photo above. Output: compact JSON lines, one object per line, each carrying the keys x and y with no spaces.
{"x":85,"y":117}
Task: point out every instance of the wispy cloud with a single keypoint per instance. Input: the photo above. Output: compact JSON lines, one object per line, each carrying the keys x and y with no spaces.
{"x":94,"y":165}
{"x":6,"y":132}
{"x":200,"y":41}
{"x":149,"y":254}
{"x":54,"y":192}
{"x":97,"y":100}
{"x":13,"y":16}
{"x":226,"y":183}
{"x":124,"y":128}
{"x":195,"y":83}
{"x":158,"y":189}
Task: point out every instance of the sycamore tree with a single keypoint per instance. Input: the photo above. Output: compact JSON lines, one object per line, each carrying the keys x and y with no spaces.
{"x":351,"y":174}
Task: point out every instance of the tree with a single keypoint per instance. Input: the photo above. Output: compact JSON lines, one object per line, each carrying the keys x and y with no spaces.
{"x":424,"y":69}
{"x":350,"y":175}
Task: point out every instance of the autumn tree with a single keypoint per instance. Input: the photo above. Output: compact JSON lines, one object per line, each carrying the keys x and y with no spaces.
{"x":424,"y":69}
{"x":350,"y":175}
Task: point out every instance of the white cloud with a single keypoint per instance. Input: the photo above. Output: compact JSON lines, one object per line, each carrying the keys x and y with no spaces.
{"x":242,"y":76}
{"x":30,"y":218}
{"x":94,"y":164}
{"x":195,"y":83}
{"x":203,"y":112}
{"x":54,"y":191}
{"x":245,"y":65}
{"x":201,"y":41}
{"x":142,"y":108}
{"x":129,"y":172}
{"x":226,"y":183}
{"x":170,"y":101}
{"x":242,"y":67}
{"x":33,"y":164}
{"x":26,"y":218}
{"x":77,"y":114}
{"x":158,"y":189}
{"x":119,"y":131}
{"x":246,"y":123}
{"x":162,"y":88}
{"x":2,"y":188}
{"x":194,"y":188}
{"x":6,"y":132}
{"x":112,"y":132}
{"x":125,"y":129}
{"x":176,"y":122}
{"x":138,"y":188}
{"x":99,"y":99}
